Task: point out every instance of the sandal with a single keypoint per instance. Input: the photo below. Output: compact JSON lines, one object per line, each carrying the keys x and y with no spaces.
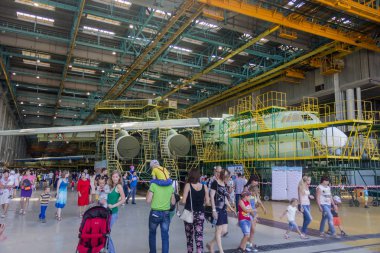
{"x":208,"y":246}
{"x":59,"y":218}
{"x":21,"y":211}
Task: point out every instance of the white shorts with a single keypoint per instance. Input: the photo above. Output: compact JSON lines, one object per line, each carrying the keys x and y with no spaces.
{"x":4,"y":197}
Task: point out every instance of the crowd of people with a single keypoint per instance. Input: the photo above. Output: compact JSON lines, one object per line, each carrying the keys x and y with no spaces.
{"x":204,"y":198}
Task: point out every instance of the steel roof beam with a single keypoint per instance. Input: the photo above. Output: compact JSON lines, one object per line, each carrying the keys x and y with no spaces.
{"x":296,"y":21}
{"x":72,"y":45}
{"x":10,"y":88}
{"x":356,"y":8}
{"x":244,"y":86}
{"x":222,"y":60}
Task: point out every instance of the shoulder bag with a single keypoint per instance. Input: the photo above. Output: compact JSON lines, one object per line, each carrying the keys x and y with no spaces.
{"x":187,"y":215}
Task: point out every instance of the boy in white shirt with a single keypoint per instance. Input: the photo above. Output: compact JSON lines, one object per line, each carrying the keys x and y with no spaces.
{"x":291,"y":212}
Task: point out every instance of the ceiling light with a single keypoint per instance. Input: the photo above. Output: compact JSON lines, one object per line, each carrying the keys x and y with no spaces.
{"x":23,"y":110}
{"x":67,"y":142}
{"x":24,"y":115}
{"x":35,"y":19}
{"x":190,"y":86}
{"x":88,"y":93}
{"x":36,"y":54}
{"x":55,"y":117}
{"x":82,"y":103}
{"x":14,"y":73}
{"x":17,"y":85}
{"x":38,"y":98}
{"x":187,"y":99}
{"x":154,"y":94}
{"x":104,"y":20}
{"x":38,"y":60}
{"x":118,"y":3}
{"x":40,"y":64}
{"x":38,"y":116}
{"x":102,"y":70}
{"x":131,"y":26}
{"x":38,"y":77}
{"x":97,"y":31}
{"x":75,"y":115}
{"x":70,"y":66}
{"x":39,"y":104}
{"x":39,"y":5}
{"x":220,"y":47}
{"x":60,"y":101}
{"x":113,"y":52}
{"x":21,"y":103}
{"x":167,"y":99}
{"x":38,"y":111}
{"x":83,"y":70}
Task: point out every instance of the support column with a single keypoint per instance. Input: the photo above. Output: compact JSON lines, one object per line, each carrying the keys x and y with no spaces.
{"x":350,"y":95}
{"x":359,"y":103}
{"x":338,"y":98}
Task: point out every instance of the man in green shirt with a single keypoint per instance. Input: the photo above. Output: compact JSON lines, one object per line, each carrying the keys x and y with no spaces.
{"x":160,"y":198}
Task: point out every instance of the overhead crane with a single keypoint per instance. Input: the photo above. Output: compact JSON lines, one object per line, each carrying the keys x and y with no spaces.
{"x":222,"y":60}
{"x":294,"y":21}
{"x":77,"y":20}
{"x":358,"y":8}
{"x":244,"y":86}
{"x":118,"y":89}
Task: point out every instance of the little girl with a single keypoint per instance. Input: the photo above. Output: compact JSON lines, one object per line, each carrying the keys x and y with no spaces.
{"x":245,"y":214}
{"x":336,"y":219}
{"x":291,"y":212}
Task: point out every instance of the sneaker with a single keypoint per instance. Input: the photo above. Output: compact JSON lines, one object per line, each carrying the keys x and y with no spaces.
{"x":323,"y":235}
{"x":336,"y":236}
{"x":286,"y":236}
{"x":343,"y":233}
{"x":302,"y":236}
{"x":240,"y":250}
{"x":43,"y":221}
{"x":248,"y":249}
{"x":133,"y":203}
{"x":3,"y":216}
{"x":249,"y":245}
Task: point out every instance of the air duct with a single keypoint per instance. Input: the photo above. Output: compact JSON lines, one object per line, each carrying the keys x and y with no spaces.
{"x":177,"y":144}
{"x":126,"y":146}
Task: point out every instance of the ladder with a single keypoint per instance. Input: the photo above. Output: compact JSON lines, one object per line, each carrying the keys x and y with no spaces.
{"x":171,"y":166}
{"x":259,"y":120}
{"x":192,"y":165}
{"x":114,"y":165}
{"x":162,"y":136}
{"x":198,"y":141}
{"x":110,"y":143}
{"x":148,"y":147}
{"x":317,"y":146}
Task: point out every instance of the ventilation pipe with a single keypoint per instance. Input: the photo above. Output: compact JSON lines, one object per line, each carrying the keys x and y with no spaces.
{"x":359,"y":102}
{"x":126,"y":146}
{"x":177,"y":144}
{"x":350,"y":103}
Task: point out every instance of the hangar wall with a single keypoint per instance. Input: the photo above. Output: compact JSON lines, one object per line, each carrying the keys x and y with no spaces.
{"x":11,"y":147}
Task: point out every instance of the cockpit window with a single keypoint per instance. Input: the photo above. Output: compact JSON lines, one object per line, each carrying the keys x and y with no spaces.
{"x":306,"y":117}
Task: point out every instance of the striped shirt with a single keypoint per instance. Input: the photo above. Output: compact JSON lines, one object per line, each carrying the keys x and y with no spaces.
{"x":44,"y":199}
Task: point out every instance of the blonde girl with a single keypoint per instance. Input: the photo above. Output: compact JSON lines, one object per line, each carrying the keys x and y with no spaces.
{"x":304,"y":200}
{"x":115,"y":198}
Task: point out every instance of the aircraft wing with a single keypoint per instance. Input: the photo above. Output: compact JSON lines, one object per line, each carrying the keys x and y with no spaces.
{"x":171,"y":123}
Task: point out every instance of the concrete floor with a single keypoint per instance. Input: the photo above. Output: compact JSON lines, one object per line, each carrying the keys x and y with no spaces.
{"x":130,"y":233}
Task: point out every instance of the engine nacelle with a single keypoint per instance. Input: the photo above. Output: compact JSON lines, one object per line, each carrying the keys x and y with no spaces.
{"x":126,"y":146}
{"x":177,"y":144}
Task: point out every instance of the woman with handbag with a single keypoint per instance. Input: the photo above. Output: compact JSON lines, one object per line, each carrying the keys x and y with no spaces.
{"x":194,"y":198}
{"x":219,"y":203}
{"x":27,"y":182}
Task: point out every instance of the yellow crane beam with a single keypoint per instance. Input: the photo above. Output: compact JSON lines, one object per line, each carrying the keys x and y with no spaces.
{"x":221,"y":61}
{"x":242,"y":87}
{"x":10,"y":88}
{"x":70,"y":52}
{"x":357,"y":8}
{"x":111,"y":94}
{"x":295,"y":21}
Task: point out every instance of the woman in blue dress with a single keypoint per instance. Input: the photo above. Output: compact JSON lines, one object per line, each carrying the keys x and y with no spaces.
{"x":62,"y":193}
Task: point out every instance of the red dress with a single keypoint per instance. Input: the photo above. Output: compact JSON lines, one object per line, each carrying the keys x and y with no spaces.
{"x":83,"y":187}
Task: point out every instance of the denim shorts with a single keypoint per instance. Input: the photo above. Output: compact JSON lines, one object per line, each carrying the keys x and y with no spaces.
{"x":245,"y":226}
{"x":292,"y":225}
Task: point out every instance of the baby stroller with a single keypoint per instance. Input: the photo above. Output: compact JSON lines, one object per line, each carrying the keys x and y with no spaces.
{"x":94,"y":230}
